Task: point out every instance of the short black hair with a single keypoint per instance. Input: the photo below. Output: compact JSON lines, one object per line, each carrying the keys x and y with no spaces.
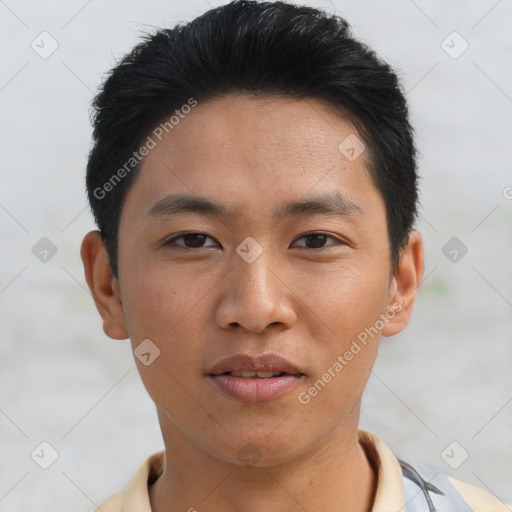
{"x":260,"y":49}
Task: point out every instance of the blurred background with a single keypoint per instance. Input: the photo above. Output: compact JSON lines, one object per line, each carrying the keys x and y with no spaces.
{"x":441,"y":391}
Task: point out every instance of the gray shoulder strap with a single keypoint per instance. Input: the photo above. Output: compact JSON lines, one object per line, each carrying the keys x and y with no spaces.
{"x":429,"y":490}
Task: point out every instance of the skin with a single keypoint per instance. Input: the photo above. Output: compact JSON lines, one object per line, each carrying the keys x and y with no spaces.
{"x":203,"y":303}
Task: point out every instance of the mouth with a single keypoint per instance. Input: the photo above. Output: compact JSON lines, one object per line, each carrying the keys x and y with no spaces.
{"x":255,"y":379}
{"x":257,"y":375}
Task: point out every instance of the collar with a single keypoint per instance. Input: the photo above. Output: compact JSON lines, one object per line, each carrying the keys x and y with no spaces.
{"x":389,"y":496}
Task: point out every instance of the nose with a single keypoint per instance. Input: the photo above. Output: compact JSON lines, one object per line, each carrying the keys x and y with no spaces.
{"x":255,"y":296}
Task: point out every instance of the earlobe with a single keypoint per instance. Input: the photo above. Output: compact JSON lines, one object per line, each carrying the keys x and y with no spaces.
{"x":103,"y":285}
{"x":404,"y":285}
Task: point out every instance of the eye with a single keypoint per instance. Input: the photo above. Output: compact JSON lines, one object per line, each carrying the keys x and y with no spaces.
{"x":191,"y":240}
{"x":196,"y":240}
{"x":317,"y":240}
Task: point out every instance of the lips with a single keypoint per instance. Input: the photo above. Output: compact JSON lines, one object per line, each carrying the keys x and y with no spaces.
{"x":255,"y":379}
{"x":252,"y":366}
{"x":254,"y":375}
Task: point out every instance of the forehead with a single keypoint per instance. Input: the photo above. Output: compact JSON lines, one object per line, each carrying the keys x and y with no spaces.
{"x":260,"y":123}
{"x":259,"y":150}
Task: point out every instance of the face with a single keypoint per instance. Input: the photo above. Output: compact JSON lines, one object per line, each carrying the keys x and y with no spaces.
{"x":276,"y":250}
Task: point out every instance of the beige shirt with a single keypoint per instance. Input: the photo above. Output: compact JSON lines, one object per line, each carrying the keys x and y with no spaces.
{"x":389,"y":496}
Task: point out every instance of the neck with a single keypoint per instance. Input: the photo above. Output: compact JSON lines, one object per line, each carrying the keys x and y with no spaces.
{"x":334,"y":476}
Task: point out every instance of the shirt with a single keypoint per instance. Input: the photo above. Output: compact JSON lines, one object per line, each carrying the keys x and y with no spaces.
{"x":400,"y":486}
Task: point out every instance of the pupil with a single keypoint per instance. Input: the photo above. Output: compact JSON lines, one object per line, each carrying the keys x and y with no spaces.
{"x":194,"y":239}
{"x":319,"y":241}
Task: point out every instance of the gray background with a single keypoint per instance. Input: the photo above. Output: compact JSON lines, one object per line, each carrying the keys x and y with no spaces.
{"x":446,"y":378}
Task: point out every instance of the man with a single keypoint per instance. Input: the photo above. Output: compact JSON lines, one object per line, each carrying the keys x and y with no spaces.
{"x":253,"y":179}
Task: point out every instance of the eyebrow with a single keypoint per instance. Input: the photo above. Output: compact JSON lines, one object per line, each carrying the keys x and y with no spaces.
{"x":326,"y":204}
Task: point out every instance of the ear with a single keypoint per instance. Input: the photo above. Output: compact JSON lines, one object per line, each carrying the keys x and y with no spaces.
{"x":404,"y":285}
{"x":103,"y":285}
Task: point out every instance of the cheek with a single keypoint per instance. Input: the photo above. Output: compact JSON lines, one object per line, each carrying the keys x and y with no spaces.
{"x":171,"y":315}
{"x":348,"y":306}
{"x":346,"y":299}
{"x":171,"y":308}
{"x":158,"y":305}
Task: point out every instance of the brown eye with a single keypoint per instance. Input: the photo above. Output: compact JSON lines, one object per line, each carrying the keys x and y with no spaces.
{"x":194,"y":240}
{"x":317,"y":240}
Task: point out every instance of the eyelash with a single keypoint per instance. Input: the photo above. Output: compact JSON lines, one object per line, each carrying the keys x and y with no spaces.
{"x":172,"y":241}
